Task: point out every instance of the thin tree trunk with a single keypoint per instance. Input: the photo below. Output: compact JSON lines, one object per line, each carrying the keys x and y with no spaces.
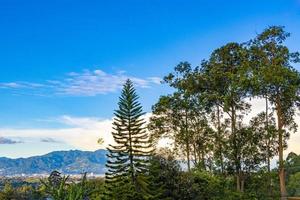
{"x":242,"y":182}
{"x":195,"y":154}
{"x":237,"y":168}
{"x":267,"y":131}
{"x":268,"y":148}
{"x":203,"y":160}
{"x":283,"y":192}
{"x":188,"y":156}
{"x":187,"y":142}
{"x":219,"y":140}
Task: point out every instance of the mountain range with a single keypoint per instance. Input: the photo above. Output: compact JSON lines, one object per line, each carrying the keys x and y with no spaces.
{"x":67,"y":162}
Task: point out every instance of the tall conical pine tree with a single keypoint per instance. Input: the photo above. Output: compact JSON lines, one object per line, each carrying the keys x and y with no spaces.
{"x":128,"y":158}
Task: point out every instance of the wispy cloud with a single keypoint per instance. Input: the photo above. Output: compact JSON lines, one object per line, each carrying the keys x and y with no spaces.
{"x":4,"y":140}
{"x":156,"y":80}
{"x":91,"y":83}
{"x":79,"y":122}
{"x":84,"y":83}
{"x":49,"y":140}
{"x":20,"y":85}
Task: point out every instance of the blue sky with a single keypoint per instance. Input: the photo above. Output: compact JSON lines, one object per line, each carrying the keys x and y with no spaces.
{"x":62,"y":62}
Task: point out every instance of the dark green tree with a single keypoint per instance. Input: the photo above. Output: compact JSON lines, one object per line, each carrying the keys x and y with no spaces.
{"x":208,"y":86}
{"x":292,"y":165}
{"x":228,"y":67}
{"x":128,"y":158}
{"x":276,"y":80}
{"x":165,"y":174}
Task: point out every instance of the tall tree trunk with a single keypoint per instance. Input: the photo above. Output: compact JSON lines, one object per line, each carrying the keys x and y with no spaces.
{"x":268,"y":148}
{"x":187,"y":140}
{"x":236,"y":161}
{"x":267,"y":132}
{"x":219,"y":140}
{"x":188,"y":155}
{"x":203,"y":160}
{"x":195,"y":154}
{"x":242,"y":182}
{"x":283,"y":192}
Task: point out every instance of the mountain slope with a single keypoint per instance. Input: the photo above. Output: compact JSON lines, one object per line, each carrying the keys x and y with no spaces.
{"x":68,"y":162}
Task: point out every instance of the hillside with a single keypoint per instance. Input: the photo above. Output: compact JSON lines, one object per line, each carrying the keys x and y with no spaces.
{"x":67,"y":162}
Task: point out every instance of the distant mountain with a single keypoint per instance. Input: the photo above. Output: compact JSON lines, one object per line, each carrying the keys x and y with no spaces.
{"x":67,"y":162}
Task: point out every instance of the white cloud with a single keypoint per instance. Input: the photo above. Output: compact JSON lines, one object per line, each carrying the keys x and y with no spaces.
{"x":80,"y":122}
{"x":20,"y":85}
{"x":85,"y":83}
{"x":81,"y":136}
{"x":83,"y":132}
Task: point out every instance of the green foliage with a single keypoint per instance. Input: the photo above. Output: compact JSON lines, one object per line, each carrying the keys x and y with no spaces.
{"x":258,"y":187}
{"x":58,"y":188}
{"x":204,"y":115}
{"x":276,"y":79}
{"x":8,"y":192}
{"x":98,"y":187}
{"x":180,"y":116}
{"x":169,"y":182}
{"x":23,"y":192}
{"x":292,"y":165}
{"x":294,"y":184}
{"x":128,"y":159}
{"x":164,"y":175}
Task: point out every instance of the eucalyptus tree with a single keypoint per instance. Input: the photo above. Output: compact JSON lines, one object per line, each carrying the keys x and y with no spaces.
{"x":207,"y":142}
{"x":267,"y":145}
{"x":210,"y":87}
{"x":128,"y":159}
{"x":181,"y":116}
{"x":229,"y":70}
{"x":279,"y":83}
{"x":268,"y":136}
{"x":204,"y":92}
{"x":171,"y":118}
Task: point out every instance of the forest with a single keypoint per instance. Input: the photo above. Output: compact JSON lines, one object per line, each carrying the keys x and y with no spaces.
{"x":216,"y":152}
